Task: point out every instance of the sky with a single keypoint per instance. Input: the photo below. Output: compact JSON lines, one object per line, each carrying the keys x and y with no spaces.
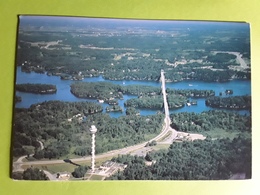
{"x":108,"y":22}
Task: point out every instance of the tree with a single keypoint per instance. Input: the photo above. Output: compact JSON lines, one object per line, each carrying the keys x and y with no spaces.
{"x":148,"y":157}
{"x":34,"y":174}
{"x":80,"y":171}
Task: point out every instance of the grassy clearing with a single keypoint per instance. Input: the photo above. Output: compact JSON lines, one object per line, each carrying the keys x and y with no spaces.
{"x":62,"y":167}
{"x":149,"y":136}
{"x":166,"y":136}
{"x":100,"y":161}
{"x":29,"y":149}
{"x":96,"y":177}
{"x":54,"y":168}
{"x":221,"y":133}
{"x":161,"y":147}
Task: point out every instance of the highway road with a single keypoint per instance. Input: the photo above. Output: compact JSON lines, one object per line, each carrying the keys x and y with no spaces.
{"x":17,"y":166}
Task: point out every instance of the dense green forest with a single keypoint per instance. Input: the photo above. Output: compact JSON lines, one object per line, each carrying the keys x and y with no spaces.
{"x":217,"y":157}
{"x":148,"y":96}
{"x":117,"y":54}
{"x":107,"y":91}
{"x":222,"y":60}
{"x":233,"y":102}
{"x":212,"y":120}
{"x":132,"y":111}
{"x":114,"y":108}
{"x":36,"y":88}
{"x":80,"y":171}
{"x":191,"y":92}
{"x":63,"y":128}
{"x":156,"y":102}
{"x":30,"y":174}
{"x":197,"y":160}
{"x":214,"y":158}
{"x":99,"y":90}
{"x":139,"y":90}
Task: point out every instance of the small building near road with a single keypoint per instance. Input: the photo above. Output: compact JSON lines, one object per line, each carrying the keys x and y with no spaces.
{"x":63,"y":176}
{"x":108,"y":168}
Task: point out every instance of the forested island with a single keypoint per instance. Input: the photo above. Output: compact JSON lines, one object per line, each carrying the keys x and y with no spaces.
{"x":191,"y":92}
{"x":147,"y":96}
{"x":36,"y":88}
{"x":114,"y":108}
{"x":17,"y":99}
{"x":150,"y":97}
{"x":107,"y":91}
{"x":100,"y":90}
{"x":234,"y":102}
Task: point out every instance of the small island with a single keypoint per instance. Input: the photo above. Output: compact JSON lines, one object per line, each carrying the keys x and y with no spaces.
{"x":36,"y":88}
{"x":191,"y":102}
{"x":18,"y":99}
{"x":114,"y":108}
{"x":229,"y":92}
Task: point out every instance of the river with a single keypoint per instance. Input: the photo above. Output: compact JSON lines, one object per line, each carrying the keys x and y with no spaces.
{"x":240,"y":87}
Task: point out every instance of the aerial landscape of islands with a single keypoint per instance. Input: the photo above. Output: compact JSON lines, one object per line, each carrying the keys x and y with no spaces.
{"x":120,"y":99}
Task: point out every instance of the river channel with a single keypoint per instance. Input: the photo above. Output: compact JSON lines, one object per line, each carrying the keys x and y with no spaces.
{"x":239,"y":87}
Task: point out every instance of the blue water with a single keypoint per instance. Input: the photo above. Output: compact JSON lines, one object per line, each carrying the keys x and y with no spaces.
{"x":240,"y":87}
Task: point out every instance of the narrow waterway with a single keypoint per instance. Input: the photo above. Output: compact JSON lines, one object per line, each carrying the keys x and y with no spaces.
{"x":240,"y":87}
